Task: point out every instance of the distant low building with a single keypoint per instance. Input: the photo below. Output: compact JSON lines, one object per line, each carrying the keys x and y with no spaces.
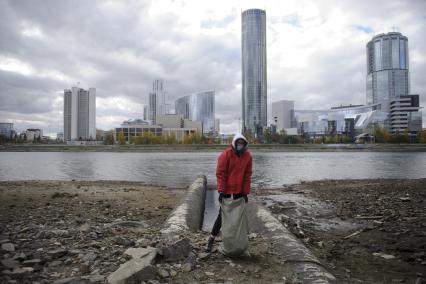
{"x":167,"y":125}
{"x":60,"y":137}
{"x":33,"y":134}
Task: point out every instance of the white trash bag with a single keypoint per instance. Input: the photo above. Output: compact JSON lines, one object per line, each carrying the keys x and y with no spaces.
{"x":234,"y":227}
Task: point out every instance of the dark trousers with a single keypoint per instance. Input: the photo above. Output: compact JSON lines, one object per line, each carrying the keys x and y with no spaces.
{"x":218,"y":223}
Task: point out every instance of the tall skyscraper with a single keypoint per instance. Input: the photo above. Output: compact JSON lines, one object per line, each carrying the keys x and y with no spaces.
{"x":79,"y":114}
{"x":198,"y":107}
{"x":157,"y":101}
{"x":254,"y":92}
{"x":387,"y":69}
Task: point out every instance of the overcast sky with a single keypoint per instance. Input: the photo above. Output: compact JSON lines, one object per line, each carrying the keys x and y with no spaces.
{"x":315,"y":50}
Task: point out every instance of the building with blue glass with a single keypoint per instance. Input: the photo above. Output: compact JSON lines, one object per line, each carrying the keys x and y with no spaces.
{"x":254,"y":89}
{"x":198,"y":107}
{"x":387,"y":69}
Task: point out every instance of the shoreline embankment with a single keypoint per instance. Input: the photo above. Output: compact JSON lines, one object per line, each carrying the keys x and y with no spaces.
{"x":215,"y":148}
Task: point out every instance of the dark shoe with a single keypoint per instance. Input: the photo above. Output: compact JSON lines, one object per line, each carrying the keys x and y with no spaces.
{"x":209,"y":245}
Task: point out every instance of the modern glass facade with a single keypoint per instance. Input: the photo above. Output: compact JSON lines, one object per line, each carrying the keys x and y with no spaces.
{"x":198,"y":107}
{"x":340,"y":121}
{"x":254,"y":91}
{"x":387,"y":68}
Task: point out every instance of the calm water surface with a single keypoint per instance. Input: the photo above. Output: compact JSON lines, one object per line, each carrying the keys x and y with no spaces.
{"x":180,"y":169}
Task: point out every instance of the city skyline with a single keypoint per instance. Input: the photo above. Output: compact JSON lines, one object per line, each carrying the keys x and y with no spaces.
{"x":316,"y":54}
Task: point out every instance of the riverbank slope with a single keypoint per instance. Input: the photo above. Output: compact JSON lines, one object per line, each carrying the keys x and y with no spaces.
{"x":364,"y":231}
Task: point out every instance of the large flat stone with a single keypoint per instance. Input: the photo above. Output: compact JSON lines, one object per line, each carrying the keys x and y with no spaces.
{"x":139,"y":252}
{"x":9,"y":247}
{"x":135,"y":270}
{"x":177,"y":251}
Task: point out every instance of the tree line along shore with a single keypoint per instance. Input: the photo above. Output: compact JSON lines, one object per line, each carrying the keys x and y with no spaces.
{"x":212,"y":147}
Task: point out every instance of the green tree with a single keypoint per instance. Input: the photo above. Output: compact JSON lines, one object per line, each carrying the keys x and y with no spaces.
{"x":249,"y":137}
{"x":109,"y":138}
{"x":399,"y":138}
{"x":267,"y":136}
{"x":422,"y":136}
{"x":381,"y":135}
{"x":121,"y":139}
{"x":171,"y":140}
{"x":192,"y":138}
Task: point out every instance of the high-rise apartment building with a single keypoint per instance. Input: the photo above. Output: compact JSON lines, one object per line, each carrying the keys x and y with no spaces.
{"x":79,"y":114}
{"x":254,"y":91}
{"x":157,"y":101}
{"x":387,"y":69}
{"x":198,"y":107}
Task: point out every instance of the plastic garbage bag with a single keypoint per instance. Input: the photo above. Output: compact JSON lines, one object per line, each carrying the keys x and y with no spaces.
{"x":234,"y":227}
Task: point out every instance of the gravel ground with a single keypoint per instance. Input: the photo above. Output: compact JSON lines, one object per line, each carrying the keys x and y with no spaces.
{"x":364,"y":231}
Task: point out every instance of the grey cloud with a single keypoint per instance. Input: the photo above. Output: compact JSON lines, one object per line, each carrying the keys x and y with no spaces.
{"x":126,"y":48}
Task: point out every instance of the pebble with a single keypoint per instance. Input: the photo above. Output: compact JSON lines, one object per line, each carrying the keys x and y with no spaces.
{"x":163,"y":273}
{"x":89,"y":257}
{"x":68,"y":280}
{"x":97,"y":278}
{"x":20,"y":256}
{"x":10,"y":263}
{"x":22,"y":270}
{"x":57,"y":253}
{"x":203,"y":255}
{"x":85,"y":268}
{"x":55,"y":263}
{"x":32,"y":261}
{"x":8,"y":247}
{"x":187,"y":267}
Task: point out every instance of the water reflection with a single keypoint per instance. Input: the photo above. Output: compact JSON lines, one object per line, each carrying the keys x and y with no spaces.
{"x":180,"y":169}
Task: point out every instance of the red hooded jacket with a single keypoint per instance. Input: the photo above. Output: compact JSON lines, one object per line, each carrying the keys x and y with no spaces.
{"x":234,"y":172}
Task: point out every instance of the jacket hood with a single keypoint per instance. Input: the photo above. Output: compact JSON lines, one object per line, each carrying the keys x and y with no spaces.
{"x":236,"y":137}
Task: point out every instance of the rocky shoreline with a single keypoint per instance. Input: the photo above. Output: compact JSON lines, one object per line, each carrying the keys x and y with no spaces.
{"x":76,"y":232}
{"x":66,"y":232}
{"x":364,"y":231}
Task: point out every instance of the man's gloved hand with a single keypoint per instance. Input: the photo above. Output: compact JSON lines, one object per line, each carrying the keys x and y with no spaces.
{"x":245,"y":198}
{"x":220,"y":197}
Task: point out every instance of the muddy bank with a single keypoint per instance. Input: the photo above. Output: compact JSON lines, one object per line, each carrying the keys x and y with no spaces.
{"x":364,"y":231}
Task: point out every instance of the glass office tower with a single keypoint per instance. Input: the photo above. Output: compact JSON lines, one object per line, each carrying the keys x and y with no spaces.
{"x":198,"y":107}
{"x":387,"y":69}
{"x":254,"y":92}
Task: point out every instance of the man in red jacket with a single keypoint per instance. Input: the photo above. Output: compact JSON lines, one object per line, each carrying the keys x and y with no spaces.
{"x":233,"y":173}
